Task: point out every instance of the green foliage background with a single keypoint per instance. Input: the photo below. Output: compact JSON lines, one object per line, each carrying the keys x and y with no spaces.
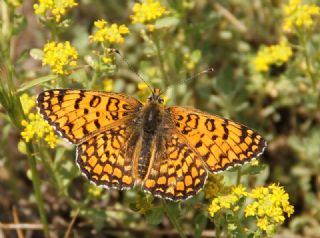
{"x":283,"y":104}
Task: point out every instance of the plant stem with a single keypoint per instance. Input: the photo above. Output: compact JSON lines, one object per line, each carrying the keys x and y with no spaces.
{"x":238,"y":175}
{"x":310,"y":71}
{"x":96,"y":75}
{"x":36,"y":185}
{"x":173,"y":219}
{"x":163,"y":72}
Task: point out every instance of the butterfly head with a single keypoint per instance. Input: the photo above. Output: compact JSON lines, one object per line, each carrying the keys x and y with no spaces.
{"x":156,"y":96}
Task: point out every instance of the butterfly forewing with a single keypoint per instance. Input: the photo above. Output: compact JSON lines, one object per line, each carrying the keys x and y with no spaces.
{"x":79,"y":114}
{"x":220,"y":142}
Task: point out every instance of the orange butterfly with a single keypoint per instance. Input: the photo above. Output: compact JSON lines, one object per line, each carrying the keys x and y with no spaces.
{"x":166,"y":150}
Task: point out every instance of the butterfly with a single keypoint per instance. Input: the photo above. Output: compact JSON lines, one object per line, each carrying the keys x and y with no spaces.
{"x":168,"y":151}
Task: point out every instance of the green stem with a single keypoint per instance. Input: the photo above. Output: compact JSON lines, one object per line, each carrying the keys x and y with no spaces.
{"x":161,"y":62}
{"x":96,"y":75}
{"x":36,"y":185}
{"x":242,"y":233}
{"x":217,"y":227}
{"x":310,"y":71}
{"x":238,"y":175}
{"x":173,"y":219}
{"x":6,"y":36}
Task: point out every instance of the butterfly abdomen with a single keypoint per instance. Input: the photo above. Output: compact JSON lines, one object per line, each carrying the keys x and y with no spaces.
{"x":151,"y":119}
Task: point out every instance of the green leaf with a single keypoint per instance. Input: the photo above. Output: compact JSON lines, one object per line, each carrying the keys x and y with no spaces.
{"x":155,"y":216}
{"x":24,"y":55}
{"x":36,"y":81}
{"x":80,"y":76}
{"x":167,"y":22}
{"x":253,"y":170}
{"x":200,"y":224}
{"x":224,"y":80}
{"x":36,"y":54}
{"x":20,"y":23}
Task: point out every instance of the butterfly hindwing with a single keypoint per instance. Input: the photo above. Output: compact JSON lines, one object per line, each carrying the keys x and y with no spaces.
{"x":177,"y":171}
{"x":78,"y":114}
{"x":220,"y":142}
{"x":106,"y":158}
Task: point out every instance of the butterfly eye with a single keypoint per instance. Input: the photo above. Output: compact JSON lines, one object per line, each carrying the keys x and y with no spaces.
{"x":160,"y":100}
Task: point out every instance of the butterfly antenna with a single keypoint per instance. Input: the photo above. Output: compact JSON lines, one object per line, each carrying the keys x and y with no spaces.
{"x":206,"y":71}
{"x":130,"y":67}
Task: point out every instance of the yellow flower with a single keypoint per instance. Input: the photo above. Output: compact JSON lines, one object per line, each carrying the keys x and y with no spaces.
{"x":165,"y":99}
{"x":108,"y":33}
{"x":107,"y":85}
{"x":151,"y":27}
{"x":60,"y":56}
{"x":254,"y":162}
{"x":269,"y":206}
{"x":299,"y":15}
{"x":27,"y":102}
{"x":214,"y":208}
{"x":262,"y":223}
{"x":35,"y":127}
{"x":239,"y":191}
{"x":148,"y":11}
{"x":228,"y":201}
{"x":95,"y":191}
{"x":143,"y":91}
{"x":272,"y":55}
{"x":188,"y":62}
{"x":56,"y":8}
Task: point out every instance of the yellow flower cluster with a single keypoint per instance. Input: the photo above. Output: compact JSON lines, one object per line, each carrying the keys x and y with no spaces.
{"x":27,"y":102}
{"x":272,"y":55}
{"x":56,"y":8}
{"x":35,"y":126}
{"x":228,"y":201}
{"x":147,"y":12}
{"x":269,"y":206}
{"x":299,"y":15}
{"x":108,"y":33}
{"x":60,"y":56}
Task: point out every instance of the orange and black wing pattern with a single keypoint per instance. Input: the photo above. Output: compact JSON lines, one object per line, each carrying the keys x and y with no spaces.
{"x":220,"y":142}
{"x":79,"y":114}
{"x":106,"y":158}
{"x":177,"y":172}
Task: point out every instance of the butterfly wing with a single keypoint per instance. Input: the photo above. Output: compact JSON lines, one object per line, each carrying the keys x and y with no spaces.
{"x":79,"y":114}
{"x":177,"y":171}
{"x":221,"y":143}
{"x":106,"y":158}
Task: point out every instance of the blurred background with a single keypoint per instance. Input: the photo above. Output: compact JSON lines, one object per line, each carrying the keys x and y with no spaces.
{"x":265,"y":55}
